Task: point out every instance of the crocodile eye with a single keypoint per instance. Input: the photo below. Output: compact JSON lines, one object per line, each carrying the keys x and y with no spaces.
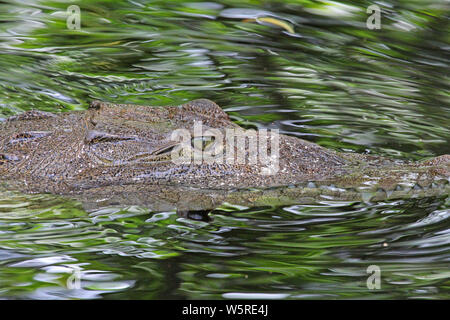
{"x":201,"y":143}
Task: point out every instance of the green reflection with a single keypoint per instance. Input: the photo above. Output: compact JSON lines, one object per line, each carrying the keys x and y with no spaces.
{"x":333,"y":82}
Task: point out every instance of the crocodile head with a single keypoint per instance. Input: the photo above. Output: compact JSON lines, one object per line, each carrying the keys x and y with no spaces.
{"x":139,"y":151}
{"x":195,"y":144}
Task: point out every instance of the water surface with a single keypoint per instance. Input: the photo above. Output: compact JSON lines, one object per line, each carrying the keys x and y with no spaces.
{"x":331,"y":81}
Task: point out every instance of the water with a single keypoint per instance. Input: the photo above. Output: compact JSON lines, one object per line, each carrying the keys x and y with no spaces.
{"x":332,"y":81}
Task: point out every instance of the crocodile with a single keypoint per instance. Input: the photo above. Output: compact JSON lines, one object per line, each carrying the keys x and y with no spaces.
{"x":122,"y":154}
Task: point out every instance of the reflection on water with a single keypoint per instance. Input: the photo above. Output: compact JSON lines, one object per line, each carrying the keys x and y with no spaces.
{"x":332,"y":81}
{"x":301,"y":251}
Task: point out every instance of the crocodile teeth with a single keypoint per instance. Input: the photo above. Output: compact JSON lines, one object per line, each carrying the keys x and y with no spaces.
{"x":335,"y":189}
{"x":398,"y":188}
{"x":366,"y":196}
{"x":417,"y":187}
{"x":311,"y":185}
